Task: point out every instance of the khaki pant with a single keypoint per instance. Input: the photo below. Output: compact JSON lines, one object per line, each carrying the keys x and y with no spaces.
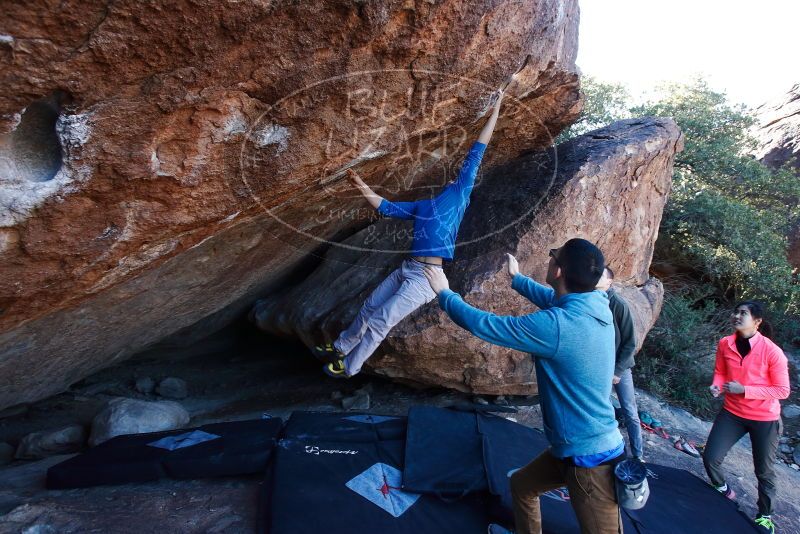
{"x":591,"y":492}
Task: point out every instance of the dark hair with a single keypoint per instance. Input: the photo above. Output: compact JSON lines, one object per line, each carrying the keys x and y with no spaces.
{"x":610,"y":272}
{"x":582,"y":264}
{"x":757,"y":312}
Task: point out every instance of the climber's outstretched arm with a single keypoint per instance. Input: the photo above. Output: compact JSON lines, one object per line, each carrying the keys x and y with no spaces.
{"x":396,"y":210}
{"x":465,"y":180}
{"x":488,"y":128}
{"x":372,"y":197}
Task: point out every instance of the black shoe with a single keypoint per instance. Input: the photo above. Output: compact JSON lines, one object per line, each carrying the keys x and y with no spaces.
{"x":327,"y":353}
{"x":335,"y":369}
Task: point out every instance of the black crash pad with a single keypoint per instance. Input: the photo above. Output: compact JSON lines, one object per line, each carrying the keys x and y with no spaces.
{"x":345,"y":427}
{"x":345,"y":487}
{"x":239,"y":448}
{"x":444,"y":450}
{"x":679,"y":501}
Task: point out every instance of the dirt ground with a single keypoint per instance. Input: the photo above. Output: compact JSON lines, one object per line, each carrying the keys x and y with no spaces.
{"x":273,"y":377}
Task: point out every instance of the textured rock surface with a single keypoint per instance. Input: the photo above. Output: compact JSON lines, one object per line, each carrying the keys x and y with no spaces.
{"x":778,"y":133}
{"x":51,"y":442}
{"x":645,"y":303}
{"x":131,"y":416}
{"x":6,"y":453}
{"x":173,"y":388}
{"x":162,"y":163}
{"x":145,"y":385}
{"x":608,"y":186}
{"x":778,"y":130}
{"x":791,"y":411}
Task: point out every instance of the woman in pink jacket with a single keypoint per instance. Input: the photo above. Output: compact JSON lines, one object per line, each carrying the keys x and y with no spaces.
{"x":752,"y":372}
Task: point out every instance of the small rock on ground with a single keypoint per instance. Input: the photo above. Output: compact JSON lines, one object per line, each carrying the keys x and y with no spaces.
{"x":364,"y":390}
{"x":145,"y":385}
{"x":173,"y":388}
{"x":356,"y":402}
{"x":133,"y":416}
{"x":791,"y":411}
{"x":46,"y":443}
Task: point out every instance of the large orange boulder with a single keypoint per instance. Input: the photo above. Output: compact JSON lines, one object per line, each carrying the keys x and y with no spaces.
{"x":164,"y":163}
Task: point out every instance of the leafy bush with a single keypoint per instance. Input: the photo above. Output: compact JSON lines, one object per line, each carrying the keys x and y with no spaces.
{"x":734,"y":245}
{"x":677,"y":360}
{"x":603,"y":104}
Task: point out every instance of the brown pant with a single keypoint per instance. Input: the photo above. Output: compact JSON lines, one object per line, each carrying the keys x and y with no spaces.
{"x":591,"y":492}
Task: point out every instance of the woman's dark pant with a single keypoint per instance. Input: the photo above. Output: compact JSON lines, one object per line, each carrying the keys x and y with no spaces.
{"x":764,"y":435}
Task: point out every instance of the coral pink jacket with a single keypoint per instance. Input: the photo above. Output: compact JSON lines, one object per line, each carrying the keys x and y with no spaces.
{"x":764,"y":373}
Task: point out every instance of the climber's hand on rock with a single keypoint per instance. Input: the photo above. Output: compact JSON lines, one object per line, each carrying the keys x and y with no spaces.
{"x":500,"y":94}
{"x":511,"y":79}
{"x":354,"y":178}
{"x":436,"y":278}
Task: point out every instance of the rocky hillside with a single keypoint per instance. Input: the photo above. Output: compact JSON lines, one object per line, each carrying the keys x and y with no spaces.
{"x":778,"y":133}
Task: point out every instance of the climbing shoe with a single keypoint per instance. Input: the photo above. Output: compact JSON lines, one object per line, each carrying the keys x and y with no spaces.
{"x":765,"y":524}
{"x":335,"y":369}
{"x":326,"y":353}
{"x":682,"y":445}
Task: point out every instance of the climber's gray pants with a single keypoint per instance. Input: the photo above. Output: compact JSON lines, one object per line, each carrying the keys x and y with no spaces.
{"x":402,"y":292}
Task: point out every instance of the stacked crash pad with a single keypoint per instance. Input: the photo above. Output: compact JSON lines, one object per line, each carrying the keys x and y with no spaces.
{"x":438,"y":470}
{"x":221,"y":449}
{"x":679,"y":501}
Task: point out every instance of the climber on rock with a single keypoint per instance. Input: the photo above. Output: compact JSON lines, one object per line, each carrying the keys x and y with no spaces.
{"x":436,"y":223}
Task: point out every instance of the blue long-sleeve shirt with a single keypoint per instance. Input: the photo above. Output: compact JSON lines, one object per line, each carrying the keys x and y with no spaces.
{"x":436,"y":220}
{"x":572,"y":340}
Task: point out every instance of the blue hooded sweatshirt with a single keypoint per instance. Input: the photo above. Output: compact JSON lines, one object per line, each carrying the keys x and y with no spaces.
{"x":436,"y":220}
{"x":572,"y":341}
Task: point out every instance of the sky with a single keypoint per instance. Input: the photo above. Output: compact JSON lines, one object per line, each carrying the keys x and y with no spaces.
{"x":748,"y":49}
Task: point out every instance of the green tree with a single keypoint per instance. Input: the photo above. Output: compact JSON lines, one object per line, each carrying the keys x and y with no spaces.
{"x":604,"y":103}
{"x":728,"y":215}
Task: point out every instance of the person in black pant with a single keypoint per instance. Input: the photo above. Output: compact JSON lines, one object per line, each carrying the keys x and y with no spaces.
{"x":752,"y":372}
